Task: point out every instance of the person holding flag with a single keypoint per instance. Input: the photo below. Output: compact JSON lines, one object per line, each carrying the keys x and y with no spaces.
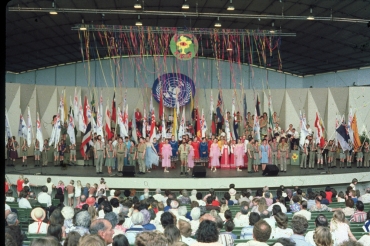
{"x":24,"y":152}
{"x":45,"y":150}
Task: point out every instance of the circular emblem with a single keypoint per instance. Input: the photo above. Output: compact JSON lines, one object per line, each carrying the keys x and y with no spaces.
{"x":184,"y":46}
{"x":173,"y":84}
{"x":295,"y":157}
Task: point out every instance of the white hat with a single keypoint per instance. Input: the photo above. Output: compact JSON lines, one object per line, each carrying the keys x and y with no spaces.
{"x":38,"y":214}
{"x":68,"y":212}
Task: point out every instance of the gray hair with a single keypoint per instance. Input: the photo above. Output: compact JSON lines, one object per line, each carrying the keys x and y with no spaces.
{"x":96,"y":226}
{"x":195,"y":213}
{"x":174,"y":204}
{"x":182,"y":210}
{"x":185,"y":193}
{"x":112,"y":218}
{"x":137,"y":218}
{"x":193,"y":192}
{"x":125,"y":210}
{"x":158,"y":191}
{"x":12,"y":218}
{"x":83,"y":219}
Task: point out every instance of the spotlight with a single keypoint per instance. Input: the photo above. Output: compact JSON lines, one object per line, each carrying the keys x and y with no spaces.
{"x":185,"y":6}
{"x":83,"y":26}
{"x":311,"y":17}
{"x":138,"y":22}
{"x":272,"y":25}
{"x":137,"y":5}
{"x":53,"y":12}
{"x":218,"y":24}
{"x":230,"y":7}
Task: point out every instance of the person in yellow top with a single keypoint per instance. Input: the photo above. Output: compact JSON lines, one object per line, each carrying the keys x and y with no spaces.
{"x":184,"y":150}
{"x":221,"y":142}
{"x":283,"y":152}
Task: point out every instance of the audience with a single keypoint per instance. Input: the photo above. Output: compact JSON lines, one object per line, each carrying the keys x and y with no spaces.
{"x":303,"y":211}
{"x":247,"y":232}
{"x":299,"y":226}
{"x":320,"y":221}
{"x":365,"y":198}
{"x":340,"y":229}
{"x":261,"y":233}
{"x":282,"y":229}
{"x":359,"y":215}
{"x":186,"y":232}
{"x":207,"y":233}
{"x":103,"y":228}
{"x":38,"y":215}
{"x":14,"y":229}
{"x":151,"y":238}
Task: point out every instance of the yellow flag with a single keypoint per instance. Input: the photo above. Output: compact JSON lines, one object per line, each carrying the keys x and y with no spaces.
{"x":65,"y":107}
{"x":174,"y":124}
{"x":356,"y":137}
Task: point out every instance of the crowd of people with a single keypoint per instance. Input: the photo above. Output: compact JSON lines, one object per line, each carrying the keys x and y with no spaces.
{"x":92,"y":217}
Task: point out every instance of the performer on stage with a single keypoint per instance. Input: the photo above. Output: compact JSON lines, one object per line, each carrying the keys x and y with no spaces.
{"x":141,"y":148}
{"x":342,"y":156}
{"x":203,"y":151}
{"x":151,"y":155}
{"x":99,"y":155}
{"x":283,"y":153}
{"x":12,"y":148}
{"x":366,"y":154}
{"x":175,"y":146}
{"x":121,"y":152}
{"x":274,"y":151}
{"x":138,"y":118}
{"x":195,"y":145}
{"x":312,"y":156}
{"x":349,"y":155}
{"x":132,"y":154}
{"x":319,"y":157}
{"x":128,"y":145}
{"x":250,"y":151}
{"x":232,"y":154}
{"x":72,"y":148}
{"x":332,"y":154}
{"x":257,"y":156}
{"x":61,"y":149}
{"x":239,"y":155}
{"x":184,"y":150}
{"x":304,"y":152}
{"x":24,"y":153}
{"x":37,"y":153}
{"x":225,"y":156}
{"x":359,"y":156}
{"x":110,"y":154}
{"x":156,"y":147}
{"x":265,"y":153}
{"x":191,"y":155}
{"x":45,"y":153}
{"x":166,"y":152}
{"x":214,"y":154}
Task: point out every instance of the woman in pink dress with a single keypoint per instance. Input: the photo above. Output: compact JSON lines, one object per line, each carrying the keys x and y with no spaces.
{"x":191,"y":156}
{"x":166,"y":156}
{"x":225,"y":156}
{"x":239,"y":155}
{"x":214,"y":154}
{"x":232,"y":154}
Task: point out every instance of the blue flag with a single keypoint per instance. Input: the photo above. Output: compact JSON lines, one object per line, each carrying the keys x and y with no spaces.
{"x":343,"y":137}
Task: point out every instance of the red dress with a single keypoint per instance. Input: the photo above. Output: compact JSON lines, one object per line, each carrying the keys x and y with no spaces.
{"x":20,"y":185}
{"x":225,"y":157}
{"x":196,"y":149}
{"x":232,"y":156}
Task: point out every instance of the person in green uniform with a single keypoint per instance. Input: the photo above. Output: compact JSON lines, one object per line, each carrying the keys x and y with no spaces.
{"x":99,"y":155}
{"x":24,"y":153}
{"x":250,"y":153}
{"x":37,"y":153}
{"x":132,"y":154}
{"x":141,"y":148}
{"x":184,"y":150}
{"x":283,"y":153}
{"x":274,"y":151}
{"x":304,"y":152}
{"x":45,"y":153}
{"x":313,"y":150}
{"x":110,"y":153}
{"x":121,"y":152}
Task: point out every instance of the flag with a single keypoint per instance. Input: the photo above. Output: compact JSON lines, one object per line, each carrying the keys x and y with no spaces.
{"x":85,"y":146}
{"x":114,"y":113}
{"x":227,"y":128}
{"x":151,"y":107}
{"x":22,"y":128}
{"x":258,"y":113}
{"x":108,"y":130}
{"x":93,"y":109}
{"x":75,"y":105}
{"x":304,"y":131}
{"x":320,"y":131}
{"x":122,"y":127}
{"x":65,"y":109}
{"x":39,"y":136}
{"x":101,"y":103}
{"x":55,"y":134}
{"x":53,"y":131}
{"x":199,"y":128}
{"x":244,"y":109}
{"x":153,"y":132}
{"x":342,"y":136}
{"x":8,"y":131}
{"x":99,"y":123}
{"x":271,"y":122}
{"x":161,"y":108}
{"x":337,"y":120}
{"x":203,"y":124}
{"x":134,"y":133}
{"x":233,"y":113}
{"x":29,"y":127}
{"x":192,"y":105}
{"x":182,"y":124}
{"x":212,"y":107}
{"x":81,"y":117}
{"x":220,"y":118}
{"x":174,"y":123}
{"x":144,"y":124}
{"x":163,"y":127}
{"x":61,"y":107}
{"x":356,"y":137}
{"x":87,"y":111}
{"x":349,"y":125}
{"x":71,"y":129}
{"x":125,"y":117}
{"x":177,"y":103}
{"x":256,"y":125}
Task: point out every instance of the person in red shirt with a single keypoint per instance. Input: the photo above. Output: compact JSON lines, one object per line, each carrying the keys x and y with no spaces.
{"x":329,"y":193}
{"x":7,"y":185}
{"x":195,"y":145}
{"x":20,"y":182}
{"x":138,"y":118}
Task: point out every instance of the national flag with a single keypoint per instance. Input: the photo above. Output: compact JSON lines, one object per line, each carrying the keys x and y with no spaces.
{"x":320,"y":131}
{"x":108,"y":130}
{"x":81,"y":117}
{"x":151,"y":107}
{"x":134,"y":133}
{"x":22,"y":128}
{"x":304,"y":131}
{"x":39,"y":136}
{"x":182,"y":124}
{"x":29,"y":127}
{"x":93,"y":108}
{"x":342,"y":136}
{"x":55,"y":134}
{"x":271,"y":122}
{"x":122,"y":127}
{"x":61,"y":107}
{"x":199,"y":128}
{"x":75,"y":106}
{"x":85,"y":146}
{"x":174,"y":123}
{"x":349,"y":125}
{"x":161,"y":108}
{"x":227,"y":128}
{"x":65,"y":109}
{"x":153,"y":132}
{"x":163,"y":127}
{"x":212,"y":107}
{"x":337,"y":120}
{"x":256,"y":125}
{"x":8,"y":131}
{"x":233,"y":121}
{"x":144,"y":124}
{"x":356,"y":137}
{"x":125,"y":117}
{"x":203,"y":124}
{"x":99,"y":123}
{"x":245,"y":109}
{"x":258,"y":112}
{"x":53,"y":131}
{"x":114,"y":113}
{"x":71,"y":129}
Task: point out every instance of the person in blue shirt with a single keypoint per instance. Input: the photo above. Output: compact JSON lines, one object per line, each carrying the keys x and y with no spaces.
{"x":247,"y":231}
{"x":229,"y":227}
{"x":175,"y":147}
{"x":156,"y":145}
{"x":203,"y":151}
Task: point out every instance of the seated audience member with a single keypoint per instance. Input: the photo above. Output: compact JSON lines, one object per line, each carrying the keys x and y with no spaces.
{"x":23,"y":201}
{"x":172,"y":233}
{"x":340,"y":230}
{"x":113,"y":219}
{"x":120,"y":227}
{"x":120,"y":240}
{"x":68,"y":214}
{"x":350,"y":207}
{"x":295,"y":206}
{"x":366,"y":226}
{"x":56,"y":230}
{"x":182,"y":211}
{"x":48,"y":241}
{"x":311,"y":200}
{"x":103,"y":228}
{"x":242,"y":219}
{"x":282,"y":205}
{"x":199,"y":199}
{"x":14,"y":229}
{"x":195,"y":215}
{"x":364,"y":240}
{"x":174,"y":208}
{"x":268,"y":197}
{"x":223,"y":208}
{"x":209,"y":205}
{"x":245,"y":197}
{"x":38,"y":215}
{"x":365,"y":198}
{"x":137,"y":220}
{"x":318,"y":207}
{"x":167,"y":218}
{"x":299,"y":226}
{"x":284,"y":241}
{"x":44,"y":197}
{"x":341,"y":197}
{"x":228,"y":199}
{"x":329,"y":194}
{"x":168,"y":204}
{"x":9,"y":196}
{"x":282,"y":229}
{"x":144,"y":195}
{"x":158,"y":196}
{"x":303,"y":212}
{"x":323,"y":198}
{"x":151,"y":238}
{"x":266,"y":216}
{"x":322,"y":236}
{"x":82,"y":221}
{"x":359,"y":215}
{"x":186,"y":232}
{"x":225,"y":239}
{"x":72,"y":239}
{"x":91,"y":240}
{"x":193,"y":196}
{"x":146,"y":220}
{"x":229,"y":227}
{"x":320,"y":221}
{"x":247,"y":232}
{"x":184,"y":199}
{"x":261,"y":233}
{"x":116,"y":207}
{"x":207,"y":233}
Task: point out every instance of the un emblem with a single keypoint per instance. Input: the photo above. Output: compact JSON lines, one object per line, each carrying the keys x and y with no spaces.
{"x":184,"y":46}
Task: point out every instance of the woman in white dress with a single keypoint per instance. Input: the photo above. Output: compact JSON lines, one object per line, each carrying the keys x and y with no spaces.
{"x":78,"y":190}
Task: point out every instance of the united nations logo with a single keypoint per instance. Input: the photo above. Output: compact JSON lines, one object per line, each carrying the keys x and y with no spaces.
{"x":173,"y":84}
{"x":295,"y":157}
{"x":184,"y":46}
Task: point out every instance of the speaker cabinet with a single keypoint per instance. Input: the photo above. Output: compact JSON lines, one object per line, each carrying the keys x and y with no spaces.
{"x":271,"y":170}
{"x":128,"y":171}
{"x":199,"y":171}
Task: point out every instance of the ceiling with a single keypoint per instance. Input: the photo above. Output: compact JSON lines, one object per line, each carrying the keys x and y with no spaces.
{"x":37,"y":39}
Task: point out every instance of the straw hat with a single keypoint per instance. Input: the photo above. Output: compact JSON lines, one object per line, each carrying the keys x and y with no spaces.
{"x":38,"y":214}
{"x":68,"y":212}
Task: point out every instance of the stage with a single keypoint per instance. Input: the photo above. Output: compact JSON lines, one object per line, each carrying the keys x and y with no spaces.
{"x":159,"y":179}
